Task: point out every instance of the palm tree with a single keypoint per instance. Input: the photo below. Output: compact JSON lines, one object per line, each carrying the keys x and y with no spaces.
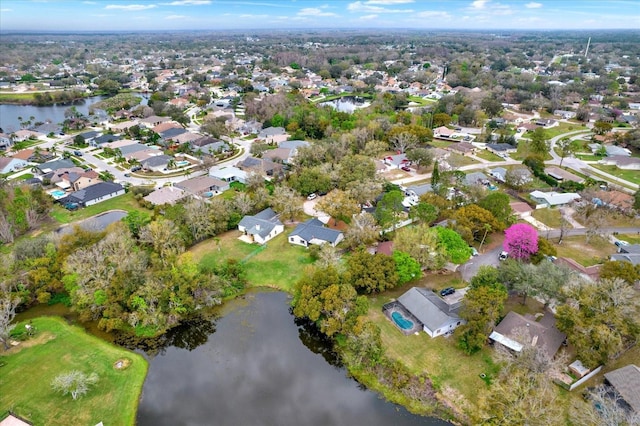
{"x":171,"y":164}
{"x":487,"y":229}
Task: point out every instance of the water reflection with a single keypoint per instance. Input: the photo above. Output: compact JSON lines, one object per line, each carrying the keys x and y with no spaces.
{"x":259,"y":368}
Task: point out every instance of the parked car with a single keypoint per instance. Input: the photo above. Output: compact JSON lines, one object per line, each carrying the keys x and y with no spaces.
{"x":71,"y":206}
{"x":621,"y":243}
{"x":77,"y":153}
{"x":312,"y":196}
{"x":474,"y":251}
{"x":136,"y":168}
{"x":127,"y":175}
{"x":447,"y":291}
{"x":503,"y":255}
{"x":405,"y":168}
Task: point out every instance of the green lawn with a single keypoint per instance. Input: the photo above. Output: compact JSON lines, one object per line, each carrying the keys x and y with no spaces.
{"x":576,"y":248}
{"x":550,"y":217}
{"x":524,"y":151}
{"x":564,"y":128}
{"x":123,"y":202}
{"x":457,"y":160}
{"x":628,"y":175}
{"x":278,"y":265}
{"x":488,"y":155}
{"x":57,"y":348}
{"x":587,"y":157}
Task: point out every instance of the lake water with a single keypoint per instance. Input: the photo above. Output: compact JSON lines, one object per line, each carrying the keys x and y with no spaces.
{"x":256,"y":366}
{"x":9,"y":114}
{"x":347,"y":104}
{"x":95,"y":223}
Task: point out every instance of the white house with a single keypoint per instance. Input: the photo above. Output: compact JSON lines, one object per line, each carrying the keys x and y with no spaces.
{"x":314,"y":232}
{"x":229,"y":174}
{"x":550,"y":199}
{"x":437,"y":316}
{"x":262,"y":227}
{"x":9,"y":164}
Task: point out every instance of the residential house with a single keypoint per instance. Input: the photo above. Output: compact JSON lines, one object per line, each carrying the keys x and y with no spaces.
{"x":262,"y":227}
{"x":314,"y":232}
{"x":74,"y":177}
{"x":23,"y":134}
{"x":261,"y":166}
{"x":48,"y":128}
{"x":557,"y":172}
{"x":186,"y":137}
{"x":591,"y":272}
{"x":617,"y":151}
{"x":613,"y":199}
{"x":94,"y":194}
{"x":564,"y":114}
{"x":163,"y":127}
{"x":54,"y":165}
{"x":157,"y":163}
{"x":499,"y":174}
{"x":546,"y":122}
{"x":5,"y":141}
{"x":120,"y":143}
{"x":251,"y":127}
{"x":521,"y":209}
{"x":550,"y":199}
{"x":476,"y":178}
{"x":89,"y":136}
{"x":153,"y":121}
{"x":229,"y":174}
{"x":98,"y":141}
{"x":273,"y":135}
{"x":436,"y":316}
{"x":626,"y":382}
{"x":464,"y":148}
{"x":396,"y":161}
{"x":622,"y":162}
{"x":513,"y":329}
{"x":169,"y":135}
{"x":278,"y":155}
{"x":443,"y":132}
{"x":9,"y":164}
{"x":166,"y":195}
{"x":501,"y":148}
{"x":203,"y":186}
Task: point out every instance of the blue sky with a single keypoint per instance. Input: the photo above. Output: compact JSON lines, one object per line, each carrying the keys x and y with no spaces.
{"x":108,"y":15}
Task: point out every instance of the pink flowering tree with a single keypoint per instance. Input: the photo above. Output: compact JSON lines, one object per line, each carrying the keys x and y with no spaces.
{"x":521,"y":241}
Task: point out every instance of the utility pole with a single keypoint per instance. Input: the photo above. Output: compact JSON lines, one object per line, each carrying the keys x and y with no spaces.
{"x":587,"y":50}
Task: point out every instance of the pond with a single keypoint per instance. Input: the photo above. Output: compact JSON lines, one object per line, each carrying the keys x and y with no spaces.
{"x":95,"y":223}
{"x":347,"y":104}
{"x":257,"y":365}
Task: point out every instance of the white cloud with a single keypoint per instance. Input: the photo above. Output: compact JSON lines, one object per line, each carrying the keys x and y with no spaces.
{"x":187,"y":3}
{"x":433,"y":14}
{"x":369,"y":7}
{"x":130,"y":6}
{"x":314,"y":11}
{"x":533,"y":5}
{"x":175,"y":17}
{"x":479,"y":4}
{"x":368,"y":17}
{"x":5,"y":10}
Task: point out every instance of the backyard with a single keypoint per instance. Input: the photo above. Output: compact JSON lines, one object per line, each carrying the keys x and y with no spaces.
{"x":278,"y":265}
{"x":632,"y":176}
{"x":59,"y":348}
{"x":550,"y":217}
{"x":593,"y":253}
{"x":125,"y":202}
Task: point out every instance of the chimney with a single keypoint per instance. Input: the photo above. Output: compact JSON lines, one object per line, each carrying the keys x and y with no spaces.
{"x":258,"y":227}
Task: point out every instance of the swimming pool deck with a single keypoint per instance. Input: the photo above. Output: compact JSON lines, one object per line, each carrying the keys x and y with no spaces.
{"x":389,"y":308}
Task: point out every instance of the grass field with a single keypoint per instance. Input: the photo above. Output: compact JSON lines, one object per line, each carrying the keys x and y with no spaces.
{"x":278,"y":265}
{"x":488,"y":155}
{"x":563,"y":127}
{"x":524,"y":151}
{"x":550,"y":217}
{"x":123,"y":202}
{"x":632,"y":176}
{"x":585,"y":254}
{"x":57,"y":348}
{"x":16,"y":98}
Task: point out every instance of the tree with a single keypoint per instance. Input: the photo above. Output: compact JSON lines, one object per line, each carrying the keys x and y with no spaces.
{"x":636,"y":200}
{"x":521,"y":241}
{"x":457,"y":250}
{"x":421,"y":243}
{"x":74,"y":382}
{"x":498,"y":204}
{"x":491,"y":105}
{"x":421,"y":157}
{"x":602,"y":127}
{"x":8,"y":305}
{"x":135,"y":220}
{"x":371,"y":273}
{"x":518,"y":177}
{"x":604,"y":407}
{"x":286,"y":203}
{"x":441,"y":119}
{"x":435,"y":175}
{"x":339,"y":205}
{"x":481,"y":308}
{"x":567,"y":147}
{"x":625,"y":271}
{"x":389,"y":208}
{"x":600,"y":319}
{"x":363,"y":230}
{"x":539,"y":142}
{"x":407,"y":268}
{"x":473,"y":223}
{"x":403,"y":141}
{"x":424,"y":212}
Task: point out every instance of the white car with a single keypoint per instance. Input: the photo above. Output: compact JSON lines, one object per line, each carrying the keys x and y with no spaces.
{"x":503,"y":255}
{"x":312,"y":196}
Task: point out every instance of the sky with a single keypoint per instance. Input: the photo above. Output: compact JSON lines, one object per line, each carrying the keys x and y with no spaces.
{"x":128,"y":15}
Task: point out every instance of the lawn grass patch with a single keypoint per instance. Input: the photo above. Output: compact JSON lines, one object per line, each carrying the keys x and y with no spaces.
{"x":550,"y":217}
{"x":593,"y":253}
{"x":629,"y":175}
{"x":524,"y":151}
{"x":488,"y":155}
{"x":58,"y":348}
{"x":123,"y":202}
{"x":563,"y":127}
{"x":278,"y":265}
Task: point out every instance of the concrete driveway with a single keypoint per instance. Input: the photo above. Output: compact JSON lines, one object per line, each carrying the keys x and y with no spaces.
{"x":309,"y":207}
{"x":456,"y":297}
{"x":490,"y":258}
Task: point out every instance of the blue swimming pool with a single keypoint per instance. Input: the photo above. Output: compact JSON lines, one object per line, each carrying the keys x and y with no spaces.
{"x":57,"y":194}
{"x":401,"y":321}
{"x":182,"y":163}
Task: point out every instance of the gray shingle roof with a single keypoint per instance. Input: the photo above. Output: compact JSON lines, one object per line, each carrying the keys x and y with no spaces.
{"x":92,"y":192}
{"x":56,"y":164}
{"x":157,"y":161}
{"x":626,"y":380}
{"x":314,"y":229}
{"x":262,"y":223}
{"x":429,"y":308}
{"x":544,"y":332}
{"x":134,"y":147}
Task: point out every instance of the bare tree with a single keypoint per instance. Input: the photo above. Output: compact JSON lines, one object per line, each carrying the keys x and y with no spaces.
{"x":243,"y":203}
{"x":286,"y":202}
{"x":363,"y":230}
{"x":603,"y":408}
{"x":403,"y":141}
{"x":328,"y":255}
{"x":74,"y":382}
{"x":8,"y":305}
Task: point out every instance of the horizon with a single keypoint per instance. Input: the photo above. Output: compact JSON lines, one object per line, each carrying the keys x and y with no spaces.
{"x":115,"y":16}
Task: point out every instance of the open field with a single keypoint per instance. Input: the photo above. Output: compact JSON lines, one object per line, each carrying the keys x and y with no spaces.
{"x":58,"y":348}
{"x":632,"y":176}
{"x":278,"y":265}
{"x":123,"y":202}
{"x":488,"y":155}
{"x":597,"y":251}
{"x":550,"y":217}
{"x":16,"y":98}
{"x":563,"y":127}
